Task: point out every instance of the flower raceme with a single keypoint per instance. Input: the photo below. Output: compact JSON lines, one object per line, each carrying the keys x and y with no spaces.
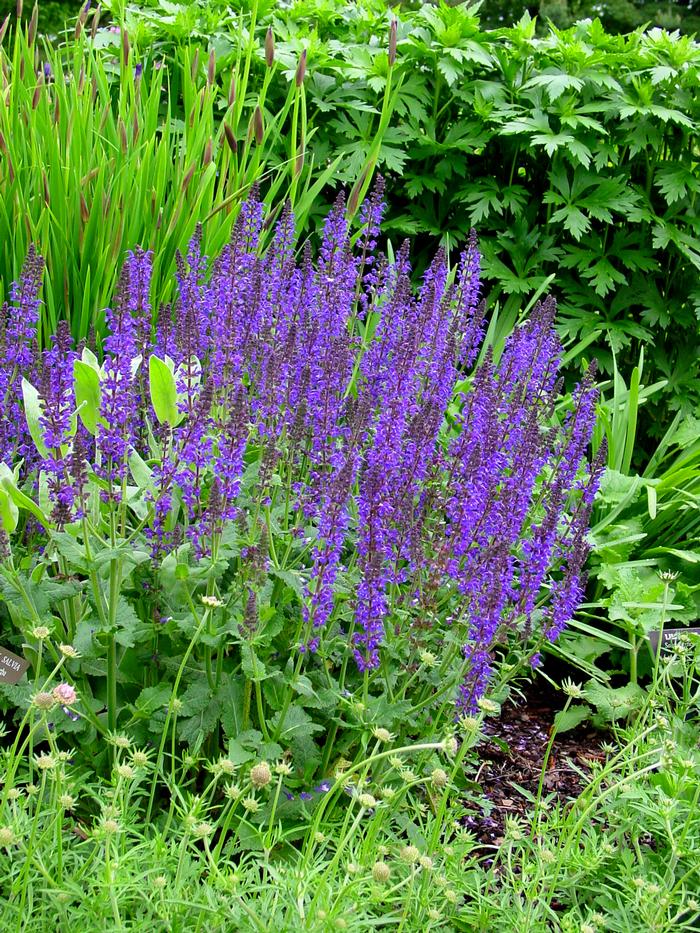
{"x":329,"y":418}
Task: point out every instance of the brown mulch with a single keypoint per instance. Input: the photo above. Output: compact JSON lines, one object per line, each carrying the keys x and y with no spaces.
{"x":521,"y":734}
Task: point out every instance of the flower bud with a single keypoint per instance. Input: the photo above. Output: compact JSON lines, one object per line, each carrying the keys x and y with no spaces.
{"x":95,"y":21}
{"x":301,"y":69}
{"x":33,"y":23}
{"x":392,"y":43}
{"x":258,"y":125}
{"x":211,"y":68}
{"x":381,"y":872}
{"x":269,"y":47}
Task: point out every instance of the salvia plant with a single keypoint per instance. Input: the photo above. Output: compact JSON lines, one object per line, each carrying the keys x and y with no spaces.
{"x":288,"y":509}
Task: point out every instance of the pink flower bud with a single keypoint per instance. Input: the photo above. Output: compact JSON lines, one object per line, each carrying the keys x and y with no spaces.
{"x":65,"y":694}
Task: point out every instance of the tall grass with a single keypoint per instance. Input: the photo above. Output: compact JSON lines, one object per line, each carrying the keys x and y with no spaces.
{"x":103,"y":149}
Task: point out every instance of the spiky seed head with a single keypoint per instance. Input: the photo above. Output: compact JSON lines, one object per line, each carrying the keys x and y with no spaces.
{"x":260,"y":774}
{"x":381,"y":872}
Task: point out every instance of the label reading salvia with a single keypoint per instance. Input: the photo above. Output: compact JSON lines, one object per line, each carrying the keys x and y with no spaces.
{"x":670,"y":636}
{"x":11,"y":667}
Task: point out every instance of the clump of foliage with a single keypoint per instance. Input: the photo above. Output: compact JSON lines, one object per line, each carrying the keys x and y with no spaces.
{"x":575,"y":153}
{"x":284,"y":513}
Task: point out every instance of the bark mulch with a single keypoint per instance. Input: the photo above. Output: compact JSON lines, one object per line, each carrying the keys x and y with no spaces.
{"x":515,"y":757}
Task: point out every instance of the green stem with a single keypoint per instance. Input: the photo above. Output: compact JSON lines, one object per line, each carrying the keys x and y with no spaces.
{"x":171,"y":704}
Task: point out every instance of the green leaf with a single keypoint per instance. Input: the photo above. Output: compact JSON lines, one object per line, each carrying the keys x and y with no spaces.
{"x":163,"y":391}
{"x":141,"y":472}
{"x":253,"y":667}
{"x":32,"y":412}
{"x":615,"y":702}
{"x":567,"y":719}
{"x":7,"y":482}
{"x":9,"y":513}
{"x":230,"y":695}
{"x":675,"y":181}
{"x":127,"y":624}
{"x":88,"y":396}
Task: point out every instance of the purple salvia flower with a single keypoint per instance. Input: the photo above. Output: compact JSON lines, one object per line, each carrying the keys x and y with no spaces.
{"x":58,"y":405}
{"x":18,"y":320}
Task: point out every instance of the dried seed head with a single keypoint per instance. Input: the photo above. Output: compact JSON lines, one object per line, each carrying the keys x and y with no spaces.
{"x":44,"y":700}
{"x":381,"y":872}
{"x":260,"y":774}
{"x":426,"y":863}
{"x":110,"y":827}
